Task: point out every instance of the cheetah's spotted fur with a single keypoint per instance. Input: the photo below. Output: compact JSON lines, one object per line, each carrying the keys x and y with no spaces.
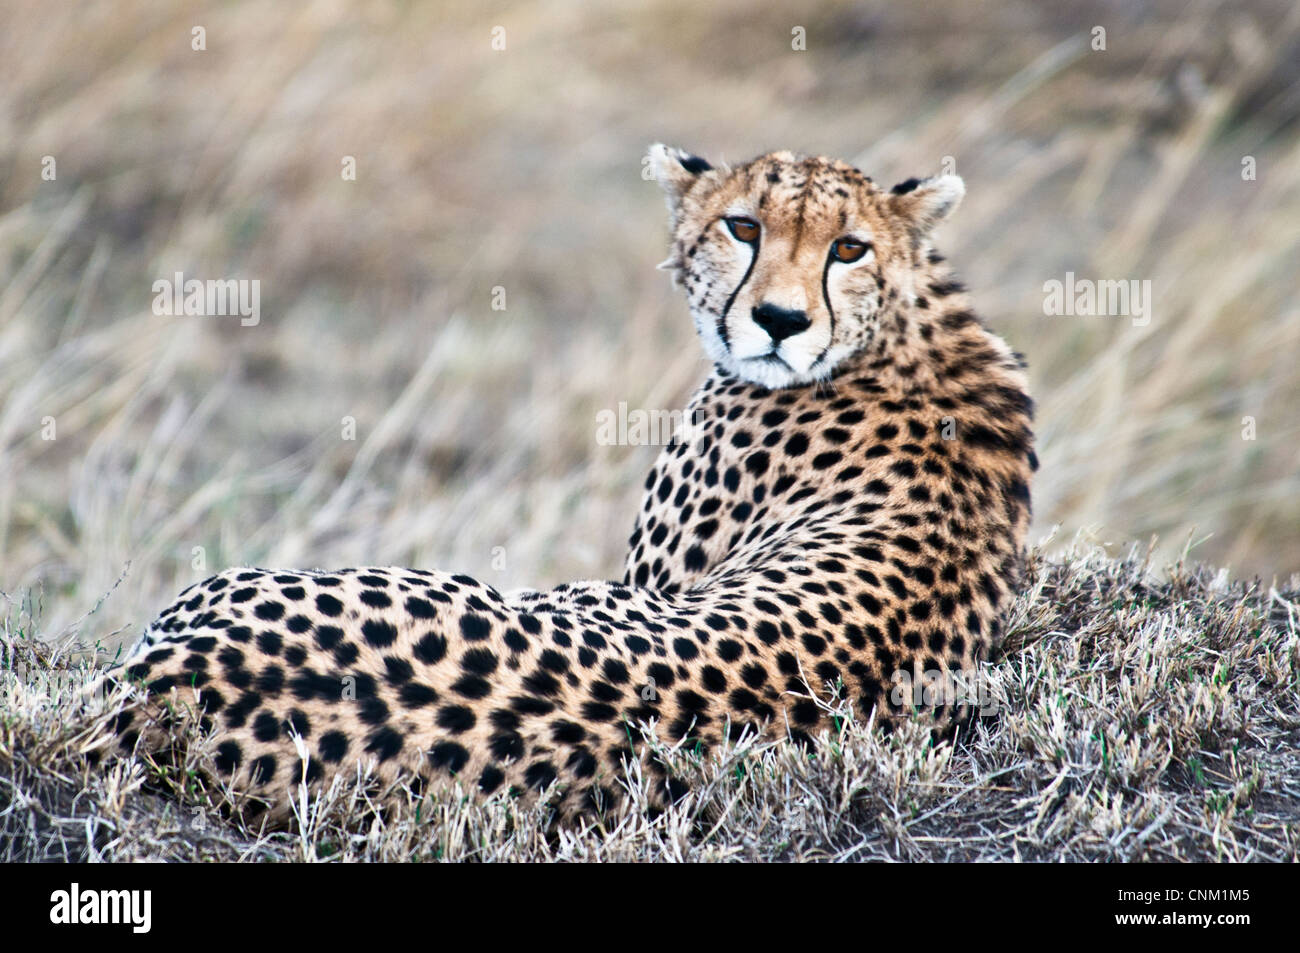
{"x":852,"y":505}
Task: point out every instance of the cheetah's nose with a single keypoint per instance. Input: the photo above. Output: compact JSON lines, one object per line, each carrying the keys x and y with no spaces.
{"x":780,"y":323}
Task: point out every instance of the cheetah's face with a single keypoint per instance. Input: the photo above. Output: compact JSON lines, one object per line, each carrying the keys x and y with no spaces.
{"x":790,"y":262}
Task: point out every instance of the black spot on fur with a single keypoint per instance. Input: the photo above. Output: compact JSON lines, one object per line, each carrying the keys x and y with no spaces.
{"x":694,"y":164}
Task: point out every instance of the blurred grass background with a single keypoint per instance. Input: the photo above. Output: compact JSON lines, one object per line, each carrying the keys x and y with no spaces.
{"x":475,"y":449}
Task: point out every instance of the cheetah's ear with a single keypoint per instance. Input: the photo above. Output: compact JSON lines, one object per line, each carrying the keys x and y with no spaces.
{"x":676,"y":171}
{"x":927,"y":202}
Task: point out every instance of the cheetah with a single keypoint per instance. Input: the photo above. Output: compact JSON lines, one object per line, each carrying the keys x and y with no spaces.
{"x":850,"y":507}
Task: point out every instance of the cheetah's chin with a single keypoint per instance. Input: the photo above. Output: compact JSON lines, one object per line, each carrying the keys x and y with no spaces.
{"x":773,"y":372}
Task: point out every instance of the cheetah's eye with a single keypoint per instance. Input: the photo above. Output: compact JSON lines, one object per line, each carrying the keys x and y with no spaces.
{"x":848,"y":249}
{"x":743,"y":229}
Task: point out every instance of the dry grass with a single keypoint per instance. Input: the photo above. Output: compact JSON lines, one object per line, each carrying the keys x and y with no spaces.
{"x":185,"y":445}
{"x":521,"y":169}
{"x":1139,"y":719}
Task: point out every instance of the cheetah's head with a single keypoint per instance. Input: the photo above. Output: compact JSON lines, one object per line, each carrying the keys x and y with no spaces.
{"x":789,"y":262}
